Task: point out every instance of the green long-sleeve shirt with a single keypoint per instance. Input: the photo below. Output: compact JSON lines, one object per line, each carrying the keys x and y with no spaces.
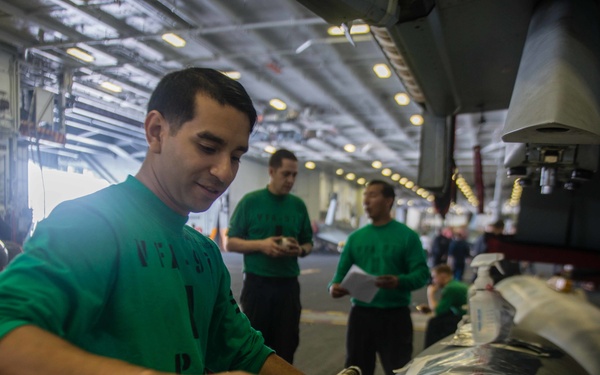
{"x":390,"y":249}
{"x":453,"y":298}
{"x":257,"y":216}
{"x":117,"y":273}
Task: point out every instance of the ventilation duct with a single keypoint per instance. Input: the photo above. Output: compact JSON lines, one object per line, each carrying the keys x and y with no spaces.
{"x":373,"y":12}
{"x":556,"y":98}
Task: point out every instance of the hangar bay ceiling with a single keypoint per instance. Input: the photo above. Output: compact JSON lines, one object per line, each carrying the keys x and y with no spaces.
{"x":281,"y":49}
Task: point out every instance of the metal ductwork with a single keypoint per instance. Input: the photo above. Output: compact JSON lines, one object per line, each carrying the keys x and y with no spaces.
{"x":373,"y":12}
{"x":556,"y":98}
{"x":554,"y":111}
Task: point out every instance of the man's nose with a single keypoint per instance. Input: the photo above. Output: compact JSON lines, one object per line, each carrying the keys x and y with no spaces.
{"x":222,"y":168}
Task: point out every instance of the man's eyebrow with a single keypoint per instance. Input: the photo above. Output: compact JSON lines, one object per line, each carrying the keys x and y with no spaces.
{"x":216,"y":139}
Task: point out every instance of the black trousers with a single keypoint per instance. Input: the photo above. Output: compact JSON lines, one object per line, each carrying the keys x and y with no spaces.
{"x":272,"y":304}
{"x":388,"y":332}
{"x":439,"y":327}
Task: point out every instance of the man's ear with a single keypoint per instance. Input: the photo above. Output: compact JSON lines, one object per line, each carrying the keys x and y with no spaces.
{"x":156,"y":127}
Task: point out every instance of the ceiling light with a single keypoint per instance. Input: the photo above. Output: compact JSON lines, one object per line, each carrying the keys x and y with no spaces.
{"x":403,"y":181}
{"x":350,"y":176}
{"x":382,"y":70}
{"x":233,"y":74}
{"x":350,"y":147}
{"x":355,"y":29}
{"x":270,"y":149}
{"x":310,"y":165}
{"x":174,"y":40}
{"x":395,"y":177}
{"x":376,"y":164}
{"x":386,"y":172}
{"x":431,"y":198}
{"x":416,"y":120}
{"x":339,"y":171}
{"x":111,"y":87}
{"x":409,"y":184}
{"x":81,"y":55}
{"x":402,"y":98}
{"x":361,"y":181}
{"x":278,"y":104}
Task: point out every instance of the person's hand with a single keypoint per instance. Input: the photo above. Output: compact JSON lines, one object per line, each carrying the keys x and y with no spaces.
{"x":272,"y":247}
{"x":291,"y":247}
{"x":423,"y":308}
{"x":336,"y":291}
{"x":386,"y":282}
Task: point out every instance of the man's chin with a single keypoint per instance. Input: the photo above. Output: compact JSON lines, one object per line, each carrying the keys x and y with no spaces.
{"x":202,"y":207}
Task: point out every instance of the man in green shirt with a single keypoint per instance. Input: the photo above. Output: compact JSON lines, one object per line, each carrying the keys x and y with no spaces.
{"x":449,"y":309}
{"x":272,"y":229}
{"x":391,"y":251}
{"x":116,"y":283}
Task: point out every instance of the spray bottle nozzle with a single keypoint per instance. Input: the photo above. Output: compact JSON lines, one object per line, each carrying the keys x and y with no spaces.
{"x":483,"y":262}
{"x":488,"y":260}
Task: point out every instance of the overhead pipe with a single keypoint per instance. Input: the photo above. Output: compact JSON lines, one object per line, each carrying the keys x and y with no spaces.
{"x":478,"y":172}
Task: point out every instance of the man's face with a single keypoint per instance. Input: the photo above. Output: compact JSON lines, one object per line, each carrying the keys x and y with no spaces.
{"x":439,"y":279}
{"x":199,"y":162}
{"x":283,"y":178}
{"x":376,"y":205}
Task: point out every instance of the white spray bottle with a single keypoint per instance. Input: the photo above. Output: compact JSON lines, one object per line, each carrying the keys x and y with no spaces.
{"x":491,"y":314}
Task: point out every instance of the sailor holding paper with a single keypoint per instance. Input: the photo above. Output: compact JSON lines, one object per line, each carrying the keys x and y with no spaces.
{"x":384,"y":262}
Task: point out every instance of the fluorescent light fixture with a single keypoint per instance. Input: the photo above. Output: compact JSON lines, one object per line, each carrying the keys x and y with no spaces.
{"x":79,"y":54}
{"x":270,"y":149}
{"x":355,"y":29}
{"x":111,"y":87}
{"x":416,"y":120}
{"x":278,"y":104}
{"x":350,"y":148}
{"x":382,"y":70}
{"x":310,"y":165}
{"x":386,"y":172}
{"x":339,"y":171}
{"x":233,"y":74}
{"x":350,"y":176}
{"x":402,"y":98}
{"x":376,"y":164}
{"x":174,"y":40}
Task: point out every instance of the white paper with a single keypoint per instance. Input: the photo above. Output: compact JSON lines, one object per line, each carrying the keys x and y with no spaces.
{"x":360,"y":284}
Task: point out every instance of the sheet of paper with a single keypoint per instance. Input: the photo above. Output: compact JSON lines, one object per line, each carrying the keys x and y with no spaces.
{"x":360,"y":284}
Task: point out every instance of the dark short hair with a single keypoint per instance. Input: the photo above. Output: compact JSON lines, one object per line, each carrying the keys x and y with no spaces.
{"x":442,"y":268}
{"x":175,"y":95}
{"x":387,"y":190}
{"x":276,"y":160}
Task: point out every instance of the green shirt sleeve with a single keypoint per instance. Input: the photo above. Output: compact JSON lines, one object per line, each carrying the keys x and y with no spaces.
{"x":40,"y":286}
{"x":346,"y":261}
{"x":418,"y":271}
{"x":233,"y":343}
{"x":452,"y":299}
